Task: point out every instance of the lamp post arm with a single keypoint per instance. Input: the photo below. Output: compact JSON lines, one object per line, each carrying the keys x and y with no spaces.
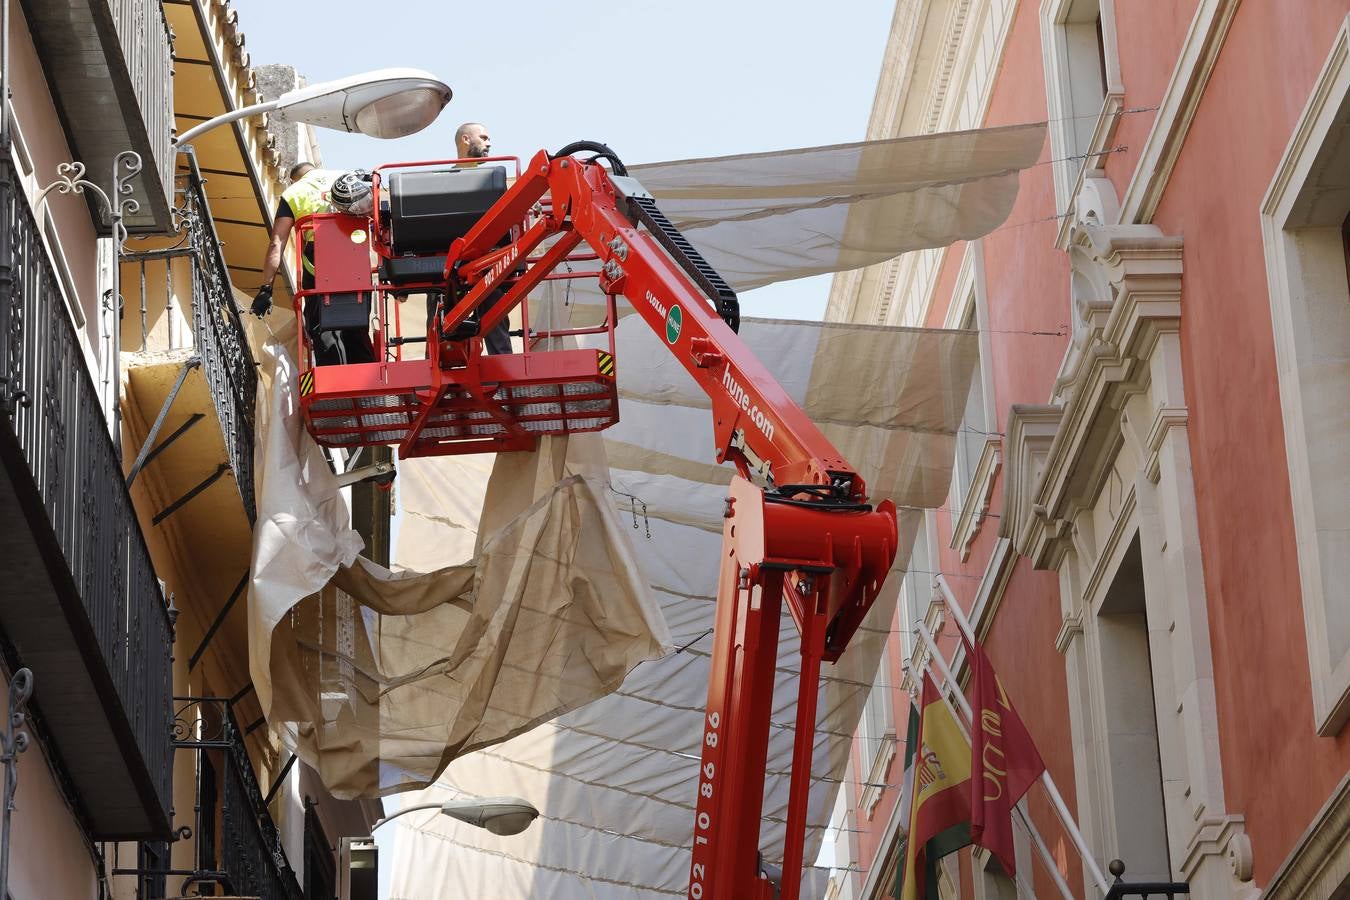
{"x":402,"y":812}
{"x":223,"y":118}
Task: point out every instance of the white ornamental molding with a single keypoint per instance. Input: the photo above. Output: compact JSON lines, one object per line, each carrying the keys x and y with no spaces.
{"x":1049,"y":481}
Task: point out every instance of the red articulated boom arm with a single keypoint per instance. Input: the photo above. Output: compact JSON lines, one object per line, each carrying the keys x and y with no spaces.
{"x":803,"y":537}
{"x":798,"y":530}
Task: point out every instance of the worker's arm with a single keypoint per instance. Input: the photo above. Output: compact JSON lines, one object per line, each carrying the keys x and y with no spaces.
{"x":281,"y":232}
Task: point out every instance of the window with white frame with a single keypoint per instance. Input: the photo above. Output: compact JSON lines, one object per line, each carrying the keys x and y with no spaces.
{"x":1306,"y":229}
{"x":1081,"y":73}
{"x":976,"y":454}
{"x":970,"y":439}
{"x":916,"y":591}
{"x":876,"y":730}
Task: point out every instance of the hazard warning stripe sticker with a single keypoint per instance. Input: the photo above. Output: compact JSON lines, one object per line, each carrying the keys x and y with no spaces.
{"x":306,"y":383}
{"x":606,"y":362}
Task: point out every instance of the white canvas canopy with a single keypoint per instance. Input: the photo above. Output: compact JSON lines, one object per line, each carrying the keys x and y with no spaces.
{"x":615,"y":780}
{"x":554,"y":574}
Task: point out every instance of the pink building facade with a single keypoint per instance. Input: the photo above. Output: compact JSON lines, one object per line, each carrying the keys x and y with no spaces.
{"x":1151,"y":505}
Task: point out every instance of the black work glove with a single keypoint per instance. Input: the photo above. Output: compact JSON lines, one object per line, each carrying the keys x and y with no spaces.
{"x":262,"y":301}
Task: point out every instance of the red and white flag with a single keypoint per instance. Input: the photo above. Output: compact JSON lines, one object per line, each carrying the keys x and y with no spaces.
{"x":1004,"y":761}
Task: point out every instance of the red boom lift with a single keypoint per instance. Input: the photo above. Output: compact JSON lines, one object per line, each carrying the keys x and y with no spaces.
{"x":798,"y":529}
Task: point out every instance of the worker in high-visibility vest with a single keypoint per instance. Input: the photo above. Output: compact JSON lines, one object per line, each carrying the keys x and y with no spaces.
{"x":309,"y":195}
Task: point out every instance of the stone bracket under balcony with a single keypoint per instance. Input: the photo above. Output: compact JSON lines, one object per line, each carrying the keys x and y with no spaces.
{"x":192,"y":458}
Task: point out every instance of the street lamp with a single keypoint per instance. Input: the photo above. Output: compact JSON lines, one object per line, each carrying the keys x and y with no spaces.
{"x":386,"y":103}
{"x":499,"y":815}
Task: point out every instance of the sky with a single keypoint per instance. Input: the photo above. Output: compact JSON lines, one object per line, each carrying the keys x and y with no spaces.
{"x":654,"y":79}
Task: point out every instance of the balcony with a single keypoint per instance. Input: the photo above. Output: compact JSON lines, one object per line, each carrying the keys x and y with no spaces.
{"x":188,"y":415}
{"x":109,"y":64}
{"x":237,"y":847}
{"x":217,"y":332}
{"x":81,"y":605}
{"x":188,"y":361}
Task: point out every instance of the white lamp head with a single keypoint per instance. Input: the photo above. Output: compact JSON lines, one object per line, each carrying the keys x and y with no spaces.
{"x":387,"y":103}
{"x":499,"y":815}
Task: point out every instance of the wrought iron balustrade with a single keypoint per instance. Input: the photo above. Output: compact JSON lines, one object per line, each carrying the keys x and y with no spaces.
{"x":56,"y":451}
{"x":217,"y":330}
{"x":237,"y":844}
{"x":1143,"y":889}
{"x":147,"y":48}
{"x":226,"y":357}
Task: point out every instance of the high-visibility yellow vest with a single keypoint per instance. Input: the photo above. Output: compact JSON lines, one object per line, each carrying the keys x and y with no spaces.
{"x":309,"y":196}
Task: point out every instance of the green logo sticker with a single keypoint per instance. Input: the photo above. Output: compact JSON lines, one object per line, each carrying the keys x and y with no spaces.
{"x":674,"y":322}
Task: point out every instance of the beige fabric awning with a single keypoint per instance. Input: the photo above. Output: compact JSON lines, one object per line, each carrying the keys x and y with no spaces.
{"x":763,"y":218}
{"x":378,"y":680}
{"x":760,"y":218}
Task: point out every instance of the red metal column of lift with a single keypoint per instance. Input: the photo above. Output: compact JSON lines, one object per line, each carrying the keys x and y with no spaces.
{"x":740,"y":700}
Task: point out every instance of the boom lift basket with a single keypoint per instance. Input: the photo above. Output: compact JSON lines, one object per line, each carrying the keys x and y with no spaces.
{"x":456,"y":399}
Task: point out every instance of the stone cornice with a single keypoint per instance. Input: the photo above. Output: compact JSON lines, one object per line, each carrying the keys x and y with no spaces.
{"x":1031,"y":431}
{"x":1165,"y":419}
{"x":938,"y":72}
{"x":1225,"y":837}
{"x":1144,"y":268}
{"x":1070,"y":629}
{"x":977,"y":498}
{"x":225,"y":39}
{"x":1320,"y":862}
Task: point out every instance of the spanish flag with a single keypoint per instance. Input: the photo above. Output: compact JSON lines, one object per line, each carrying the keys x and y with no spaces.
{"x":939,"y":816}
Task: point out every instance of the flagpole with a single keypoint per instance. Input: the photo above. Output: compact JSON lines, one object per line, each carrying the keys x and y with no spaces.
{"x":1023,"y":819}
{"x":1047,"y":781}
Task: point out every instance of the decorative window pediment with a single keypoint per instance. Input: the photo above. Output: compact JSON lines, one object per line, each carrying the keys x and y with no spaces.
{"x":1049,"y":479}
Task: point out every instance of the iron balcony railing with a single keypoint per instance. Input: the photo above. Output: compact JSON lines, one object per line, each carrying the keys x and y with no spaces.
{"x":238,"y":846}
{"x":50,"y":409}
{"x":1146,"y":890}
{"x":226,"y":358}
{"x":217,"y":332}
{"x":147,"y":47}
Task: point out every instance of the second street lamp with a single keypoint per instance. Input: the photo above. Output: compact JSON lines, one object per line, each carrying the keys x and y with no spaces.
{"x":499,"y":815}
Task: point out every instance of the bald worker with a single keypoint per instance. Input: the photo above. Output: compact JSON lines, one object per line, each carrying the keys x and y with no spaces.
{"x":472,"y":141}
